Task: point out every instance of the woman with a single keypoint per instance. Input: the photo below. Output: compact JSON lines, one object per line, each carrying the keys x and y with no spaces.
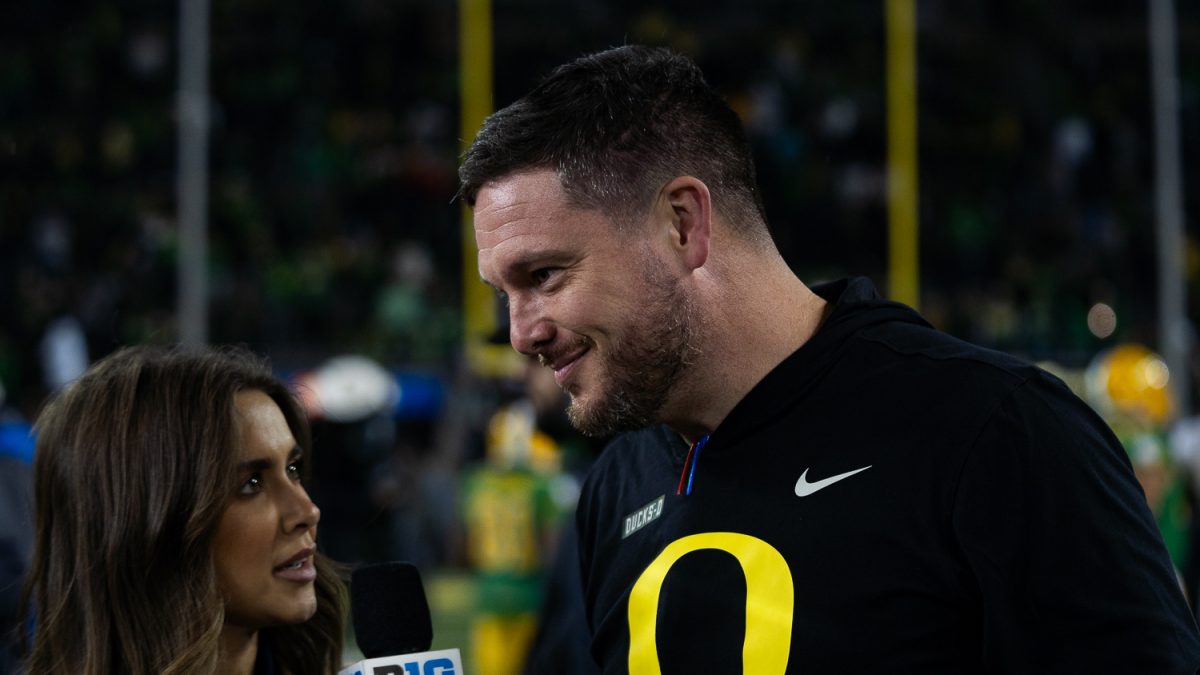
{"x":173,"y":532}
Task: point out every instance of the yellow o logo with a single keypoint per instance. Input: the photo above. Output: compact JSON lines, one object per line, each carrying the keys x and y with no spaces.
{"x":769,"y":602}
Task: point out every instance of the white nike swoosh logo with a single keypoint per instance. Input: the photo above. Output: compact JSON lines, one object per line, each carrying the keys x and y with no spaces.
{"x":805,"y":488}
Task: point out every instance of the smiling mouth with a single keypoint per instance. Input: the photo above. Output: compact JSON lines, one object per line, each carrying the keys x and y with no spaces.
{"x":562,"y":367}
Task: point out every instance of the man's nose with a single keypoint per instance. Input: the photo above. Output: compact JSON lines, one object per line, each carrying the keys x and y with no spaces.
{"x":529,"y":329}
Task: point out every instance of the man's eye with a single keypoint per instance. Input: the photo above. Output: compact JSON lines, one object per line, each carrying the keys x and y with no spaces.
{"x":252,"y":486}
{"x":542,"y":275}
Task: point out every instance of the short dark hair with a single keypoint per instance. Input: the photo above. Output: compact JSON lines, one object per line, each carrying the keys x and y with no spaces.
{"x":616,"y":126}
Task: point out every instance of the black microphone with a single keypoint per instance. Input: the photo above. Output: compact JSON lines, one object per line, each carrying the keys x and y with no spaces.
{"x":391,"y":615}
{"x":392,"y":625}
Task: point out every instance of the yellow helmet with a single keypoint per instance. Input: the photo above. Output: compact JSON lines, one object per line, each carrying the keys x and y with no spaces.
{"x":513,"y":440}
{"x":1130,"y":381}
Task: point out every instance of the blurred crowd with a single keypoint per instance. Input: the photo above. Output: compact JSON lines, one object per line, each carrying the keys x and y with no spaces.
{"x":333,"y":226}
{"x":334,"y":146}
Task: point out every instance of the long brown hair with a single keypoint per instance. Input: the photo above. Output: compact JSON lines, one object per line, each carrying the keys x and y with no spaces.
{"x":133,"y":469}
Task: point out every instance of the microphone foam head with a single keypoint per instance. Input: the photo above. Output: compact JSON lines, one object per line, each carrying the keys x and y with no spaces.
{"x":391,"y":615}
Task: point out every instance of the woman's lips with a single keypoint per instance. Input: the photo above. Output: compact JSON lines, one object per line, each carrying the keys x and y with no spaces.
{"x":298,"y":568}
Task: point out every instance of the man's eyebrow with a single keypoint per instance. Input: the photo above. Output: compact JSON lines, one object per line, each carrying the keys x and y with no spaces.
{"x":542,"y":257}
{"x":549,"y":257}
{"x":532,"y":259}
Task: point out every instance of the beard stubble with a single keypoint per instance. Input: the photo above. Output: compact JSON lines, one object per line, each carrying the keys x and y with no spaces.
{"x":644,"y":364}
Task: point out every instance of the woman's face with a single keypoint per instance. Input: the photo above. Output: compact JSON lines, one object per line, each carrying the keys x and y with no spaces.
{"x":266,"y":538}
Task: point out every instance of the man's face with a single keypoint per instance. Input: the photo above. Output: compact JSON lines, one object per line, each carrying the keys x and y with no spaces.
{"x":596,"y":306}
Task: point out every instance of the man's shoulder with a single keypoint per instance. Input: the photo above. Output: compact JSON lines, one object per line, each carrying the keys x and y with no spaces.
{"x":965,"y":381}
{"x":928,"y":347}
{"x":870,"y":330}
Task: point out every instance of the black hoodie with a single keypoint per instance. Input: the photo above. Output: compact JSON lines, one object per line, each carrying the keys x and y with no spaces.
{"x":887,"y":499}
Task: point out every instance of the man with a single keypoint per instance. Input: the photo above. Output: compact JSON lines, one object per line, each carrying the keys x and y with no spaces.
{"x":816,"y":480}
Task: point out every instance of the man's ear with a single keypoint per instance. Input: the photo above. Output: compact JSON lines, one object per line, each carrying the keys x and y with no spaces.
{"x":690,"y":207}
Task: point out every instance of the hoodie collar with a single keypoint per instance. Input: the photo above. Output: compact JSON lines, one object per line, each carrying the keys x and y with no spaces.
{"x":856,"y":305}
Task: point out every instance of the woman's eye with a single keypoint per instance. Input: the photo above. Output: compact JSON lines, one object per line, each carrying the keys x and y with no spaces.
{"x":294,"y":470}
{"x":252,"y":486}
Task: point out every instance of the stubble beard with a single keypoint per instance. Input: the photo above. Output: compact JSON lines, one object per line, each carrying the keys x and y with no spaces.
{"x":644,"y":365}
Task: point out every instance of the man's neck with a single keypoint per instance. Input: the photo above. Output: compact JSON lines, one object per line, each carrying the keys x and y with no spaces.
{"x":750,"y":325}
{"x":239,"y":650}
